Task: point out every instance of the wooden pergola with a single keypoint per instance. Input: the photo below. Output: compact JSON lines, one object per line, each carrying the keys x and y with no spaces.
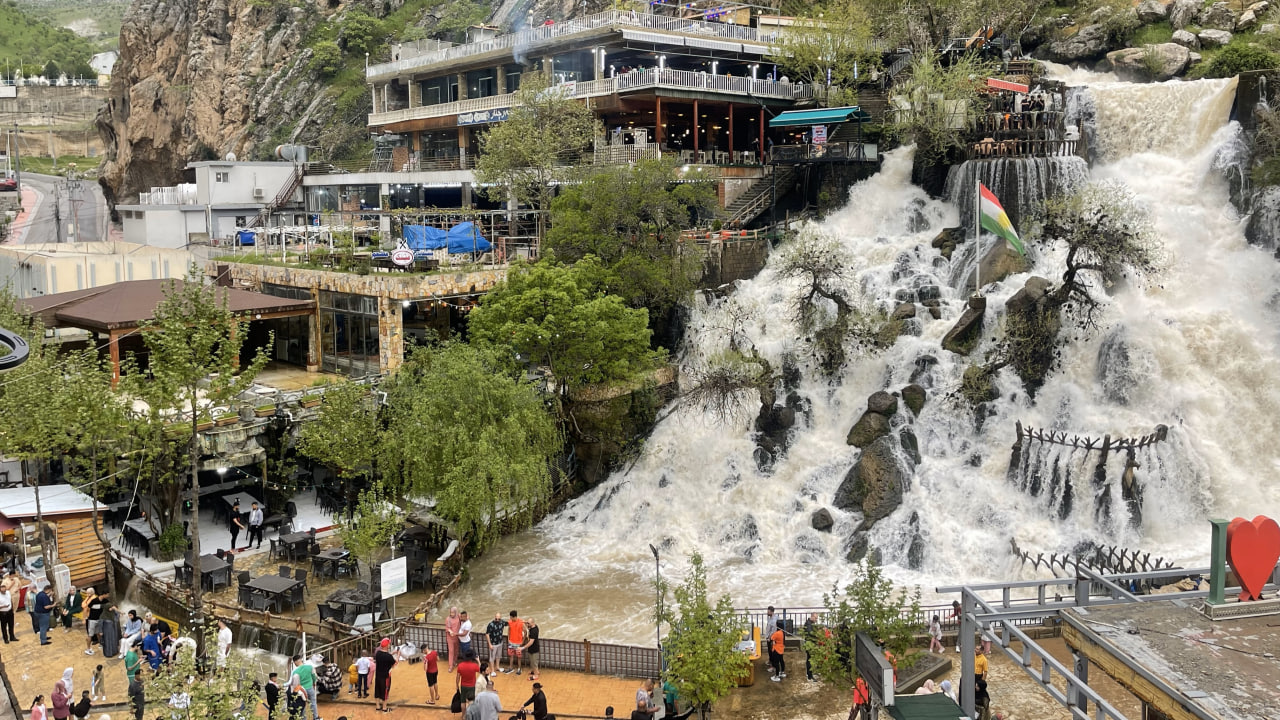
{"x":121,"y":308}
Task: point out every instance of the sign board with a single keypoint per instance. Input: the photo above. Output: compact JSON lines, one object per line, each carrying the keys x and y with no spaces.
{"x":402,"y":255}
{"x":395,"y":577}
{"x":1006,"y":85}
{"x":871,"y":664}
{"x":819,"y":134}
{"x":8,"y":91}
{"x":484,"y":117}
{"x":424,"y":254}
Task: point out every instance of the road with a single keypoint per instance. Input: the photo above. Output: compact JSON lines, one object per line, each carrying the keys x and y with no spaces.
{"x":38,"y":224}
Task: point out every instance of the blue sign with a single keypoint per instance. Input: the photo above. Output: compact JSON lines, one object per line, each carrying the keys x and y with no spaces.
{"x":484,"y":117}
{"x":424,"y":255}
{"x":379,"y":254}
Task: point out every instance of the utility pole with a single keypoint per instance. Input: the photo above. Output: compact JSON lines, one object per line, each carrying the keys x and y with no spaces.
{"x":57,"y":213}
{"x":73,"y":199}
{"x":15,"y":164}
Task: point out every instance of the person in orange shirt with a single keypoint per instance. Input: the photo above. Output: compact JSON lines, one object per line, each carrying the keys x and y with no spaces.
{"x":515,"y":641}
{"x":777,"y":645}
{"x":861,"y":698}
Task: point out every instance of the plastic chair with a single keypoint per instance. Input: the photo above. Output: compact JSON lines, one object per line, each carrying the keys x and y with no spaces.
{"x":286,"y":571}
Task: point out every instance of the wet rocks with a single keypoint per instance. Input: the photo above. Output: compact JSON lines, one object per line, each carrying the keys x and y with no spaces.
{"x":904,"y":311}
{"x":1214,"y":38}
{"x":913,"y":396}
{"x":1263,"y":228}
{"x":821,"y":520}
{"x":867,"y":430}
{"x":910,"y":445}
{"x":882,"y":403}
{"x":875,"y":484}
{"x":1186,"y":39}
{"x":1152,"y":62}
{"x":947,"y":240}
{"x":915,"y":551}
{"x":858,"y":549}
{"x":963,"y":336}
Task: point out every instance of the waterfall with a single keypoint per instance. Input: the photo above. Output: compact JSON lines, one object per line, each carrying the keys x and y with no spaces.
{"x":1196,"y":348}
{"x":1022,"y":184}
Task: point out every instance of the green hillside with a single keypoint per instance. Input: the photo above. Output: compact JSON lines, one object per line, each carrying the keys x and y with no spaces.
{"x":35,"y":43}
{"x":97,"y":20}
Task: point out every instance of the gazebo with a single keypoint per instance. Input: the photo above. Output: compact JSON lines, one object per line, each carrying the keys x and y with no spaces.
{"x":118,"y":310}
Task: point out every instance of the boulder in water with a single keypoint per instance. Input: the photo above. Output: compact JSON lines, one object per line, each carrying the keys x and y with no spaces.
{"x":1263,"y":228}
{"x":1219,"y":16}
{"x":998,"y":262}
{"x":947,"y":240}
{"x":1091,"y":42}
{"x":868,"y":429}
{"x":882,"y":403}
{"x":821,"y":520}
{"x":961,"y":338}
{"x":910,"y":445}
{"x":1152,"y":11}
{"x":915,"y":551}
{"x":904,"y":311}
{"x":913,"y":396}
{"x":1214,"y":38}
{"x":1186,"y":39}
{"x":858,"y":549}
{"x":1025,"y":299}
{"x":1184,"y":12}
{"x":875,"y":484}
{"x":1153,"y":62}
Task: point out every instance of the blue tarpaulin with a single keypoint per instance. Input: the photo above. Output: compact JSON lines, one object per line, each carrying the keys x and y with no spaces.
{"x":461,"y":238}
{"x":246,"y":237}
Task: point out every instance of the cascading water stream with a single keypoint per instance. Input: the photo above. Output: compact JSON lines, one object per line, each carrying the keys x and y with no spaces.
{"x":1195,"y":348}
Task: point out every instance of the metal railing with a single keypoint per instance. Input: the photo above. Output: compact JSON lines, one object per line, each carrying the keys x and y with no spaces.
{"x":635,"y":80}
{"x":831,"y":151}
{"x":574,"y":655}
{"x":1021,"y":148}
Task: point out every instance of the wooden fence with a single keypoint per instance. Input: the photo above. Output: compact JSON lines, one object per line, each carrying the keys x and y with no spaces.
{"x":1104,"y":559}
{"x":1105,"y":445}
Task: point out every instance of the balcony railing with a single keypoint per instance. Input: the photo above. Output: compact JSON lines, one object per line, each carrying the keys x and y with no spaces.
{"x":635,"y":80}
{"x":173,"y":195}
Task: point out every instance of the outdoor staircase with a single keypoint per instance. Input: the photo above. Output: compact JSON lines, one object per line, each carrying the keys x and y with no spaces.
{"x":285,"y":195}
{"x":758,"y":197}
{"x":874,"y":102}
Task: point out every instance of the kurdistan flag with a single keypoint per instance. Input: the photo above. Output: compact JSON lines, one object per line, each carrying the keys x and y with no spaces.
{"x":993,"y":218}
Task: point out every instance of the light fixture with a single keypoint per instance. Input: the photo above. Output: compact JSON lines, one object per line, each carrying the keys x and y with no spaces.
{"x":222,"y":471}
{"x":405,"y":303}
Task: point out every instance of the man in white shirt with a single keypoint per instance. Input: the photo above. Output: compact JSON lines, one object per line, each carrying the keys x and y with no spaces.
{"x":464,"y":635}
{"x":6,"y":613}
{"x":255,"y":526}
{"x":224,"y":642}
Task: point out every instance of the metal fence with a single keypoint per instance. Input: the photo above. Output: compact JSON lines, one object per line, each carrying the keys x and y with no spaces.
{"x":574,"y":655}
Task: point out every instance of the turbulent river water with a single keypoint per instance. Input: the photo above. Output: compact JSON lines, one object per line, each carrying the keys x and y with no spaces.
{"x":1193,"y":348}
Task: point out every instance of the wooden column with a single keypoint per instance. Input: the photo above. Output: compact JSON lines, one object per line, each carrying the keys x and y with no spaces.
{"x":114,"y":343}
{"x":730,"y":133}
{"x":657,"y":129}
{"x":695,"y":131}
{"x":761,"y":135}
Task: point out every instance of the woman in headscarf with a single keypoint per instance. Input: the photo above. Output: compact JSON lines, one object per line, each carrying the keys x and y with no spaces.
{"x":60,"y":702}
{"x":927,"y":688}
{"x":66,"y":678}
{"x":451,"y":626}
{"x":946,"y":690}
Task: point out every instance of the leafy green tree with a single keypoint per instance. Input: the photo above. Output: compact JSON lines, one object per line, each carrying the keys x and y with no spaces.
{"x":701,"y":651}
{"x":346,"y":435}
{"x":465,"y":429}
{"x":326,"y":58}
{"x":190,"y":689}
{"x":871,"y":604}
{"x":193,"y":345}
{"x":538,"y":147}
{"x":933,"y":105}
{"x":372,"y":527}
{"x":925,"y":25}
{"x":824,"y":44}
{"x":361,"y":33}
{"x":631,"y":216}
{"x":561,"y":317}
{"x":1238,"y":57}
{"x":51,"y":70}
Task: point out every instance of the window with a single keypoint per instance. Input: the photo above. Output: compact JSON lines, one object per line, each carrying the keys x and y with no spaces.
{"x":222,"y":177}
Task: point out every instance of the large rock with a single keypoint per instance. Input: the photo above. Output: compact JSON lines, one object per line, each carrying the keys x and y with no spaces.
{"x":910,"y":444}
{"x":1090,"y":43}
{"x":1247,"y":20}
{"x":1268,"y":28}
{"x":1186,"y":39}
{"x":1026,"y":299}
{"x":1214,"y":38}
{"x":869,"y":428}
{"x":1263,"y":228}
{"x":1152,"y":11}
{"x":904,"y":311}
{"x":882,"y":403}
{"x":821,"y":520}
{"x":1153,"y":62}
{"x":875,"y":484}
{"x":961,"y":338}
{"x":998,"y":262}
{"x":1184,"y":12}
{"x":858,"y":549}
{"x":913,"y":396}
{"x":947,"y":240}
{"x":1219,"y":16}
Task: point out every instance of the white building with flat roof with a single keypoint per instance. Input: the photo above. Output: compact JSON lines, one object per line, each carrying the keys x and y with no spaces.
{"x":49,"y":268}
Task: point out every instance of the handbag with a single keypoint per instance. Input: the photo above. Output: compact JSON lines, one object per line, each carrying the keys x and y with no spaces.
{"x":455,"y":705}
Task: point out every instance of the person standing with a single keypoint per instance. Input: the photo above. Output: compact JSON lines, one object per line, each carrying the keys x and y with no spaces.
{"x":383,"y":661}
{"x":71,"y":607}
{"x":494,"y":635}
{"x":777,"y":646}
{"x":770,"y":624}
{"x":468,"y":669}
{"x":644,"y":698}
{"x":137,"y":696}
{"x":464,"y":634}
{"x":60,"y":701}
{"x":6,"y":612}
{"x":451,"y":625}
{"x":861,"y":699}
{"x":225,"y":641}
{"x":935,"y":635}
{"x":955,"y":620}
{"x":531,"y":647}
{"x":132,"y":661}
{"x":515,"y":641}
{"x":255,"y":525}
{"x":94,"y":604}
{"x":431,"y":664}
{"x":304,"y":678}
{"x":297,"y":702}
{"x":539,"y":702}
{"x":37,"y":709}
{"x":234,"y":523}
{"x":272,"y":691}
{"x":979,"y":665}
{"x":810,"y":637}
{"x":98,"y":683}
{"x":44,"y":605}
{"x":364,"y":664}
{"x":488,"y":704}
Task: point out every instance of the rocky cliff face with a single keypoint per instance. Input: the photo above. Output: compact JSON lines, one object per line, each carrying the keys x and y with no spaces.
{"x":198,"y":79}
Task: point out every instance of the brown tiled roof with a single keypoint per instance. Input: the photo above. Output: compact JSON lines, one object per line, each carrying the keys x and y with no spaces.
{"x":130,"y":304}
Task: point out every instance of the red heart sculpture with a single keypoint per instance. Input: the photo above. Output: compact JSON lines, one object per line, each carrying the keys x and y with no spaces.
{"x":1253,"y":547}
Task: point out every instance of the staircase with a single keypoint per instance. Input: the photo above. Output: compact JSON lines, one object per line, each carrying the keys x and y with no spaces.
{"x":758,"y":197}
{"x":285,"y":195}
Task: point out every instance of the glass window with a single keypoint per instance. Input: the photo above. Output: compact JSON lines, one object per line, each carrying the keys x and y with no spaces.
{"x":481,"y":83}
{"x":513,"y":78}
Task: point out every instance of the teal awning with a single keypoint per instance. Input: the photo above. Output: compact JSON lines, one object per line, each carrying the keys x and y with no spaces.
{"x":823,"y":116}
{"x":924,"y":707}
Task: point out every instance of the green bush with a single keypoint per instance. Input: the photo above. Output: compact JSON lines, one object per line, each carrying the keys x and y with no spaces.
{"x":361,"y":33}
{"x":1236,"y":58}
{"x":172,"y":540}
{"x":326,"y":58}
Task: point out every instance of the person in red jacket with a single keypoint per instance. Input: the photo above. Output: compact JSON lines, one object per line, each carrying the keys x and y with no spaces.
{"x":861,"y":699}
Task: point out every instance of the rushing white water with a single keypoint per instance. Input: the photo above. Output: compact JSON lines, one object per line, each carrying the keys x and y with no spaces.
{"x":1194,"y":348}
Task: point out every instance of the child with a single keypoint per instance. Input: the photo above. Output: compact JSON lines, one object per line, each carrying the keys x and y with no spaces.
{"x":363,"y":666}
{"x":353,"y":677}
{"x":297,"y":703}
{"x":81,"y":709}
{"x":98,"y":684}
{"x":430,"y":663}
{"x":273,"y":695}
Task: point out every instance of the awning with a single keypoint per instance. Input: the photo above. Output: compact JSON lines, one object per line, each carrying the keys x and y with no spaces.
{"x":823,"y":116}
{"x":999,"y":84}
{"x":935,"y":706}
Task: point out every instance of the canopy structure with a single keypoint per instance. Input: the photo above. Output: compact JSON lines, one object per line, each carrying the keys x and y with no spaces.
{"x":924,"y":707}
{"x":821,"y":116}
{"x":461,"y":238}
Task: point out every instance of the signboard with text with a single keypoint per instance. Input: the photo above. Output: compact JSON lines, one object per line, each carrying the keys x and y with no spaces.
{"x":402,"y":255}
{"x":484,"y":117}
{"x":819,"y":134}
{"x":395,"y":577}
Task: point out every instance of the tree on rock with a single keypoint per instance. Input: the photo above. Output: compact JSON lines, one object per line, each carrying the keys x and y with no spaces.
{"x":701,"y":651}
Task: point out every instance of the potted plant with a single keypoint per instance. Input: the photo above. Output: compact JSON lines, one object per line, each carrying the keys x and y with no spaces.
{"x":204,"y":423}
{"x":310,"y":401}
{"x":265,"y":410}
{"x":171,"y":543}
{"x":227,"y":419}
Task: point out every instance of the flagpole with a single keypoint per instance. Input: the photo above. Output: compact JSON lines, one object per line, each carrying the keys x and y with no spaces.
{"x":977,"y":238}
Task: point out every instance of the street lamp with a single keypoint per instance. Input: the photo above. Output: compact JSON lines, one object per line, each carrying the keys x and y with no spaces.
{"x":657,"y":569}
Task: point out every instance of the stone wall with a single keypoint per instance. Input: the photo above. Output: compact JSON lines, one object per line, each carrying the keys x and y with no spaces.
{"x":394,"y":286}
{"x":727,"y":262}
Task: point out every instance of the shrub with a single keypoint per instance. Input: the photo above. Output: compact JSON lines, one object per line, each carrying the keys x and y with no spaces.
{"x":1239,"y":57}
{"x":326,"y":58}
